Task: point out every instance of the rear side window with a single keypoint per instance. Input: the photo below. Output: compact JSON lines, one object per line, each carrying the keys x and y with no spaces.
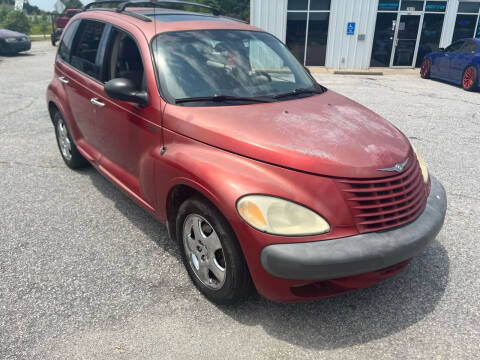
{"x":85,"y":49}
{"x":455,"y":47}
{"x":469,"y":48}
{"x":65,"y":46}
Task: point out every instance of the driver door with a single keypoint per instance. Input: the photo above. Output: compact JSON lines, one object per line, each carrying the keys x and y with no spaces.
{"x":445,"y":71}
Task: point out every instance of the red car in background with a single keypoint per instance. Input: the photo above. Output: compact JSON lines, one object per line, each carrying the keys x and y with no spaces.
{"x":265,"y":178}
{"x":61,"y":22}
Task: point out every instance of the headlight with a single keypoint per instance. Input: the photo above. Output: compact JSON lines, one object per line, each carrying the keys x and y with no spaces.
{"x":280,"y":217}
{"x":422,"y":164}
{"x":10,"y":39}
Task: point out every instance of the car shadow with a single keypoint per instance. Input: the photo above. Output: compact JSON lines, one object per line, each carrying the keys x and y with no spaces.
{"x":27,"y":54}
{"x":134,"y":213}
{"x":358,"y":317}
{"x":350,"y":319}
{"x":446,"y":82}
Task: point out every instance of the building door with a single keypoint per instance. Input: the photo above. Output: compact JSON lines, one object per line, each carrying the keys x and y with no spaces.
{"x":405,"y":44}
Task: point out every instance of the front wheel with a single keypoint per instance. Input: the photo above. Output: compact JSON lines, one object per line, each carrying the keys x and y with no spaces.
{"x":425,"y":70}
{"x":470,"y":79}
{"x":211,"y":253}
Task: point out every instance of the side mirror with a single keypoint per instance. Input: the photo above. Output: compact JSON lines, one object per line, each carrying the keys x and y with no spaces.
{"x":124,"y":90}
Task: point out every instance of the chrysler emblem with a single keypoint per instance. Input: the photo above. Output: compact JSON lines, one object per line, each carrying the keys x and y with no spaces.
{"x":397,"y":167}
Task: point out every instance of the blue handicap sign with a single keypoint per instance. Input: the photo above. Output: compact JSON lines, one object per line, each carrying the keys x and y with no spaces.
{"x":351,"y":28}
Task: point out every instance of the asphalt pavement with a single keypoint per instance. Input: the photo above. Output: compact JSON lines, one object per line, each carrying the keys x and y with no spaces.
{"x":86,"y":274}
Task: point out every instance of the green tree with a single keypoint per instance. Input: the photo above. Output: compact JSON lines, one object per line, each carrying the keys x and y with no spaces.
{"x":4,"y":10}
{"x":239,"y":9}
{"x":72,"y":4}
{"x":31,"y":9}
{"x":17,"y":21}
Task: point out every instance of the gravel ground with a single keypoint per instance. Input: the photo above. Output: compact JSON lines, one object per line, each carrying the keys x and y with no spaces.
{"x":86,"y":274}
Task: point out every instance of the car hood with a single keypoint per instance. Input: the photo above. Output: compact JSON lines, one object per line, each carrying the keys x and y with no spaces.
{"x":9,"y":33}
{"x":325,"y":134}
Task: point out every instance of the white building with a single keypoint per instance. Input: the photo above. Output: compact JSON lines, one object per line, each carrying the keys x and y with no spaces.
{"x":362,"y":34}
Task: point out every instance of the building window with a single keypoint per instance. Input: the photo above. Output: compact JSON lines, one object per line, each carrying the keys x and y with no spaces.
{"x":430,"y":37}
{"x":436,"y":6}
{"x":469,"y":7}
{"x":307,"y":30}
{"x":406,"y":30}
{"x":383,"y":39}
{"x":467,"y":24}
{"x":298,"y":5}
{"x":386,"y":5}
{"x":412,"y":5}
{"x":296,"y":33}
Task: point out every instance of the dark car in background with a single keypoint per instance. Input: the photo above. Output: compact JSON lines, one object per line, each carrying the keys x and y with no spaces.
{"x":12,"y":42}
{"x":459,"y":63}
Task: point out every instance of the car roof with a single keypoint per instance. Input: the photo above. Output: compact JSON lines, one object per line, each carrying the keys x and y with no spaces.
{"x":166,"y":20}
{"x":477,"y":41}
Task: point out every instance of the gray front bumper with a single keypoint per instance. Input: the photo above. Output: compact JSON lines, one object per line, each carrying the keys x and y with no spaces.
{"x":359,"y":254}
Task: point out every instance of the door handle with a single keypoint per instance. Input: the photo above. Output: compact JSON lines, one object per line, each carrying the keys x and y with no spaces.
{"x":63,"y":80}
{"x":95,"y":102}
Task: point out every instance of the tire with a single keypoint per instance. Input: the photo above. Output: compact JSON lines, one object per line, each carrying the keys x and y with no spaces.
{"x":470,"y":79}
{"x":425,"y":70}
{"x":70,"y":154}
{"x":201,"y":229}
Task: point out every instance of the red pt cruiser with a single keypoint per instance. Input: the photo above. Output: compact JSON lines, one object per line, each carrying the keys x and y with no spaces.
{"x":265,"y":178}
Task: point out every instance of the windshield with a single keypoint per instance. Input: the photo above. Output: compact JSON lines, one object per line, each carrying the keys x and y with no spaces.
{"x":227,"y":64}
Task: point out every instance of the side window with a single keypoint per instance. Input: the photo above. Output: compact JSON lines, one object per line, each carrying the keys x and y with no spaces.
{"x":85,"y":49}
{"x":455,"y":47}
{"x":65,"y":46}
{"x":125,"y":60}
{"x":469,"y":48}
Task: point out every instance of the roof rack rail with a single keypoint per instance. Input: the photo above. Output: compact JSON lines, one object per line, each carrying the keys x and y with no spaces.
{"x":93,"y":4}
{"x":158,"y":3}
{"x":122,"y":4}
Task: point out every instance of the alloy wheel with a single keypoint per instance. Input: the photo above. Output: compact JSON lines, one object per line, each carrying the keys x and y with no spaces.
{"x":204,"y":251}
{"x":468,"y":78}
{"x":424,"y":70}
{"x":64,"y":140}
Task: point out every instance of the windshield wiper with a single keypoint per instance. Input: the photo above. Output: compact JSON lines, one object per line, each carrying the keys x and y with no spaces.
{"x":224,"y":98}
{"x":300,"y":91}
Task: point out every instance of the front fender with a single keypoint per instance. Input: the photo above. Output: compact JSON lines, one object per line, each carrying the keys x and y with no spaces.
{"x":224,"y":177}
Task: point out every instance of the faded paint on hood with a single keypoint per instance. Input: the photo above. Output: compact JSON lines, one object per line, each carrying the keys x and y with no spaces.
{"x":325,"y":134}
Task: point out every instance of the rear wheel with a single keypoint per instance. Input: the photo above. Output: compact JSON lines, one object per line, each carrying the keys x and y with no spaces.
{"x":70,"y":154}
{"x":211,"y":253}
{"x":470,"y":79}
{"x":425,"y":70}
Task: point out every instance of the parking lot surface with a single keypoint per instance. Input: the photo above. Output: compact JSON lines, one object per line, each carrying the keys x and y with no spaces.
{"x":86,"y":274}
